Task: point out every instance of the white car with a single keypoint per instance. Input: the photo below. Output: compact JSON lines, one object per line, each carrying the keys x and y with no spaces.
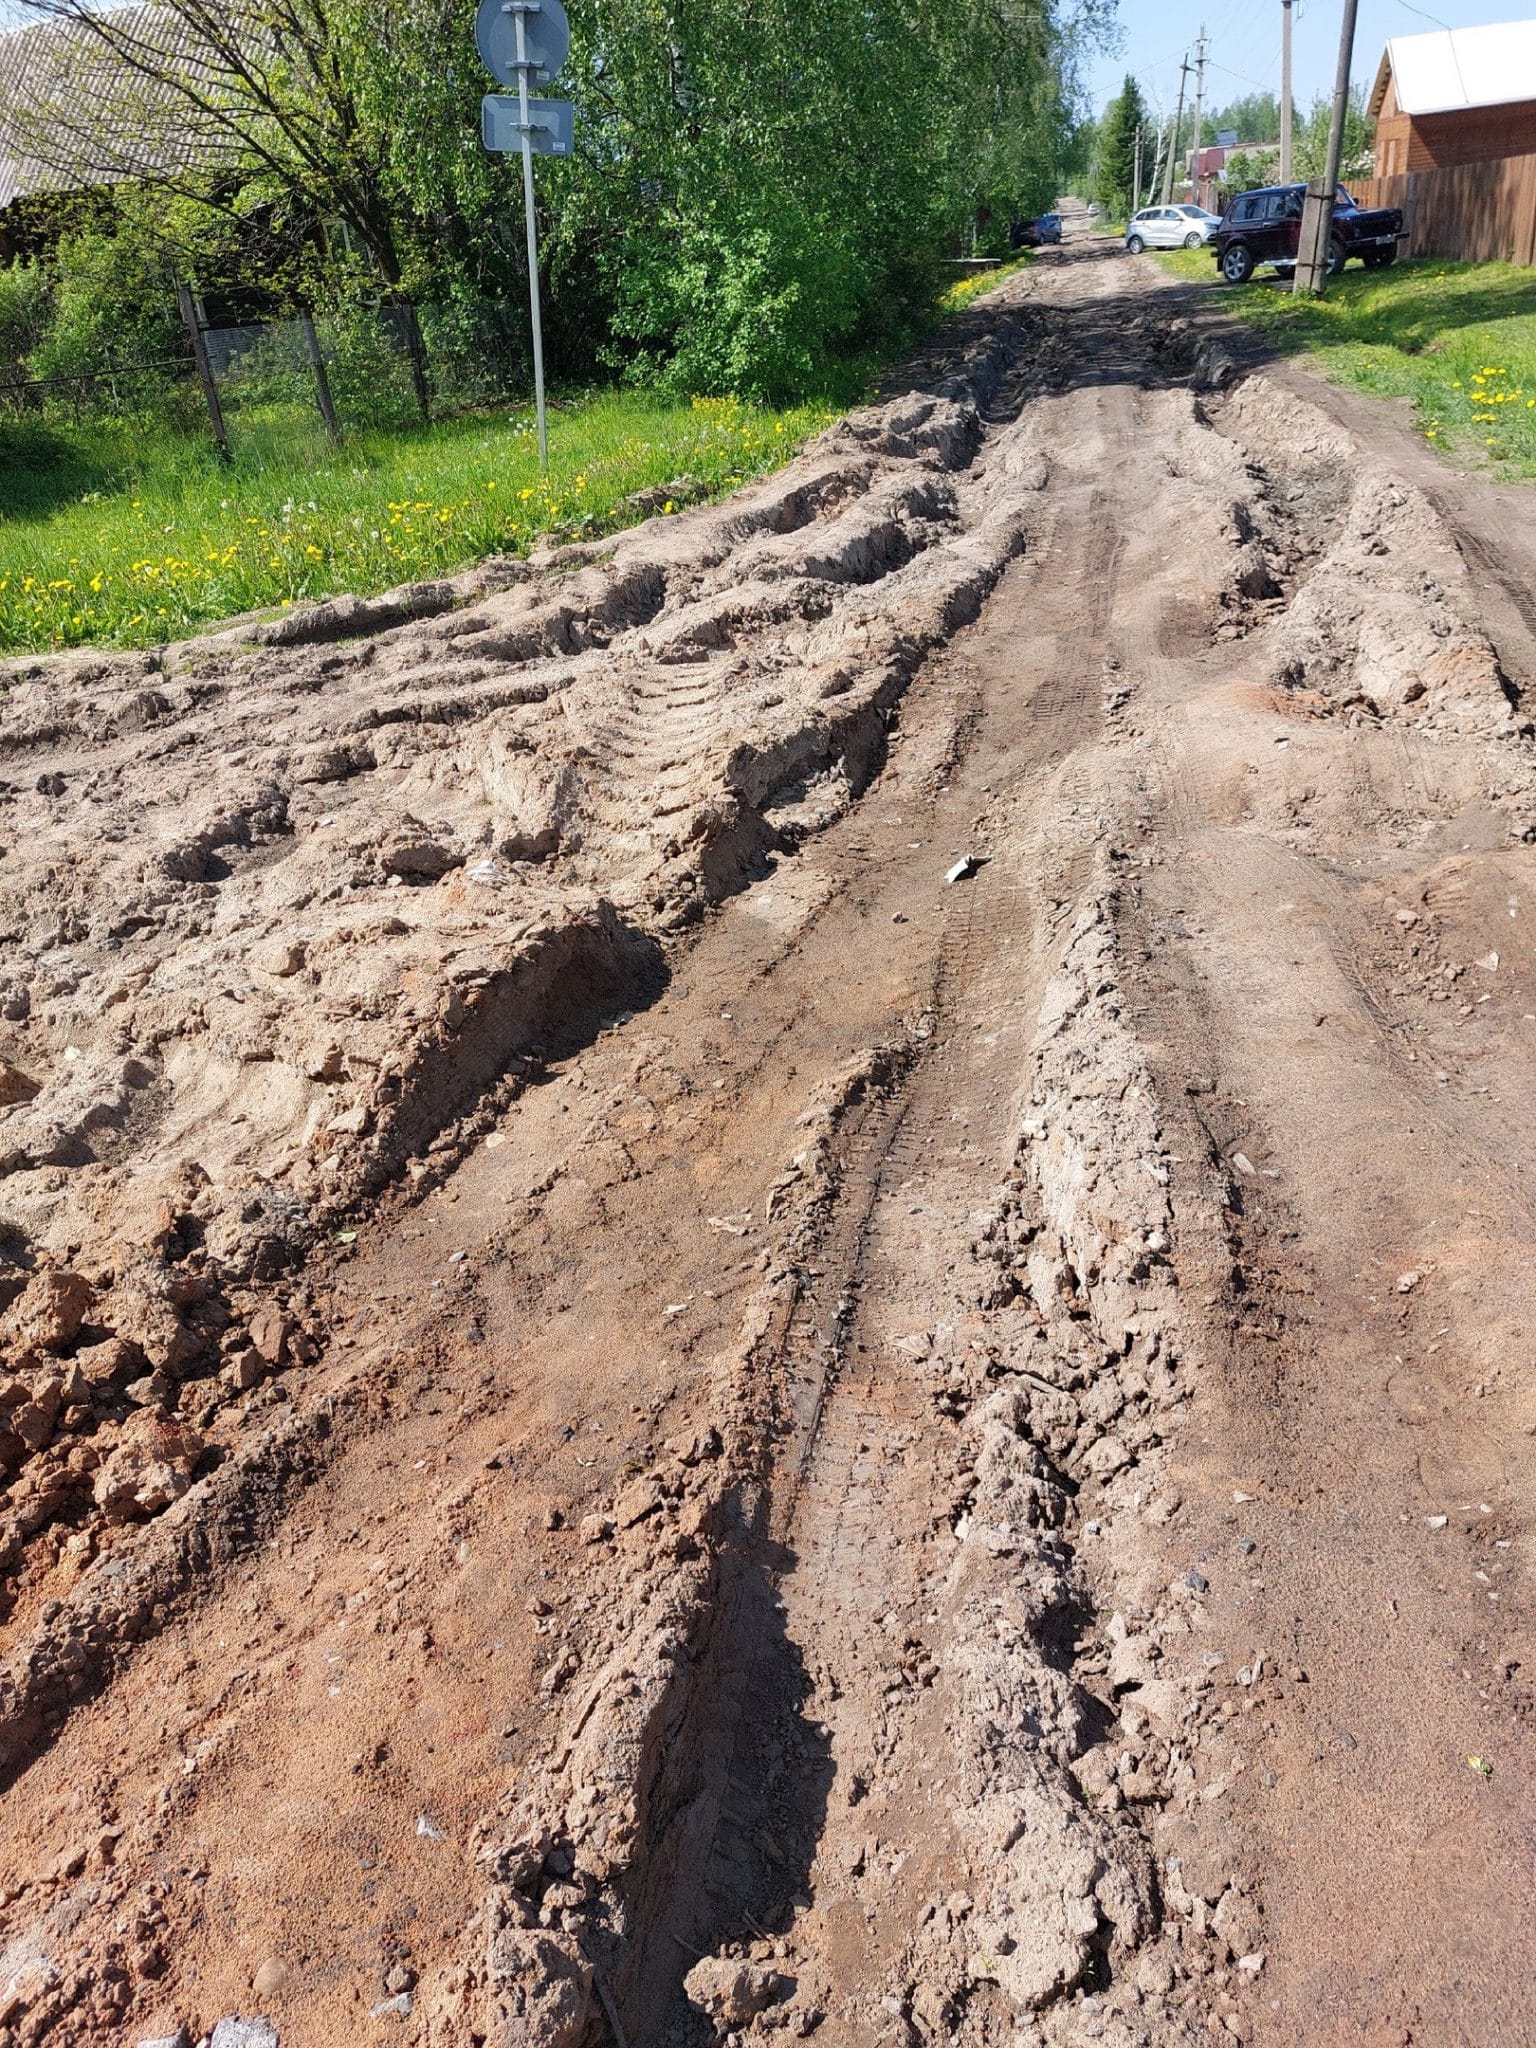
{"x":1170,"y":227}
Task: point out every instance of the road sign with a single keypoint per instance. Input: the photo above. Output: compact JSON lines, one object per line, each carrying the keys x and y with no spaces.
{"x":523,"y":43}
{"x":551,"y":124}
{"x":546,"y":39}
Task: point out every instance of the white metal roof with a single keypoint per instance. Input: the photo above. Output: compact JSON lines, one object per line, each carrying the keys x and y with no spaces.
{"x":1460,"y":67}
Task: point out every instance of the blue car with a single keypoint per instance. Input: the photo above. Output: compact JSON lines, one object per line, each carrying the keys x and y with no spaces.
{"x":1049,"y":227}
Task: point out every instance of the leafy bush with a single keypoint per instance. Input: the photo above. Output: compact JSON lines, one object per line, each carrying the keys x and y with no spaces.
{"x":26,"y":308}
{"x":113,"y":306}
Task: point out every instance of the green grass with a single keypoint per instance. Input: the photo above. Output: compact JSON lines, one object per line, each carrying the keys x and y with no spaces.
{"x":1458,"y":340}
{"x":126,"y":535}
{"x":130,"y":537}
{"x":965,"y":289}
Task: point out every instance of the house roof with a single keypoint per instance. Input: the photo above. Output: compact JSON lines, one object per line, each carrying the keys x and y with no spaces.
{"x":1456,"y":68}
{"x":74,"y":112}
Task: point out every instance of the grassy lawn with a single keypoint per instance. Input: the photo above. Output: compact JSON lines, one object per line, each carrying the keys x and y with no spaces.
{"x":130,"y":537}
{"x":1457,"y":339}
{"x":124,"y":535}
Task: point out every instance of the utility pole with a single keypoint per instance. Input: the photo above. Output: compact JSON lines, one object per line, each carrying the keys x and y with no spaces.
{"x":1136,"y":183}
{"x":1285,"y":92}
{"x":1317,"y":214}
{"x":1199,"y":109}
{"x":1173,"y":140}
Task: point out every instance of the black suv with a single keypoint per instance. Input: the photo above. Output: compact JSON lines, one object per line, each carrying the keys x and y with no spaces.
{"x":1265,"y":227}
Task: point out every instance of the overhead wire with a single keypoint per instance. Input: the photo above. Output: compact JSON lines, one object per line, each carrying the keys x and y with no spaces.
{"x":1423,"y":16}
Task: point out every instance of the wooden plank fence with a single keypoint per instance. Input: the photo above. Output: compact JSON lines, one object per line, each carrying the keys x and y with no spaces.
{"x":1479,"y":213}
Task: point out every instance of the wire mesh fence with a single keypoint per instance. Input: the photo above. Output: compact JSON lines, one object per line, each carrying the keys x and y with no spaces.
{"x":362,"y":367}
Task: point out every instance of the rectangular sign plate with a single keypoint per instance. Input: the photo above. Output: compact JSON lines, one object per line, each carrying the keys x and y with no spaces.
{"x":552,"y":124}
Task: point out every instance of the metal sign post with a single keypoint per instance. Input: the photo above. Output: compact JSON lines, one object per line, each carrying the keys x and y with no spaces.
{"x":534,"y":50}
{"x":518,"y":9}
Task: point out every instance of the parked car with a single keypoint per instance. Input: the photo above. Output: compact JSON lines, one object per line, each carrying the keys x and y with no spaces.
{"x":1265,"y":227}
{"x":1048,"y":227}
{"x":1024,"y":234}
{"x":1169,"y":227}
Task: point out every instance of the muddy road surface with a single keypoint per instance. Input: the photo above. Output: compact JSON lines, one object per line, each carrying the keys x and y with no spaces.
{"x":775,"y":1279}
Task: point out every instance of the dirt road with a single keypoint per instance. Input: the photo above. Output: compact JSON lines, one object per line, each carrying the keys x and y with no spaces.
{"x":635,"y":1418}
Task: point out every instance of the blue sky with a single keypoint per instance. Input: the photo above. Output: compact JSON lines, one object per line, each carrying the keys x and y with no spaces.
{"x":1243,"y":53}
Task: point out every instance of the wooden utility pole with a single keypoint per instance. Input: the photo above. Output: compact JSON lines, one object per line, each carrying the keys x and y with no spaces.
{"x":194,"y":327}
{"x":1285,"y":92}
{"x":1173,"y":140}
{"x":1317,"y":214}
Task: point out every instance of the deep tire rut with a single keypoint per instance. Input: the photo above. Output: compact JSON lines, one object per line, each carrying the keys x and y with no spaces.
{"x":882,"y":1459}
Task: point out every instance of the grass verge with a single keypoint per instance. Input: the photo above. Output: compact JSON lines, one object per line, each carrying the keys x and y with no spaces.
{"x":1458,"y":340}
{"x":164,"y":538}
{"x":964,"y":289}
{"x":118,"y":534}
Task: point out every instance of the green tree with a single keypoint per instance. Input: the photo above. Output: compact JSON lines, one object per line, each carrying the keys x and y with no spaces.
{"x":760,"y":190}
{"x":26,"y":309}
{"x":756,"y":189}
{"x":1115,"y":180}
{"x":1254,"y":118}
{"x":1245,"y":170}
{"x":1309,"y":149}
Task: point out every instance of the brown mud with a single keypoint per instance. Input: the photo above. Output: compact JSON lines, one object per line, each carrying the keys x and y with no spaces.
{"x":628,"y":1418}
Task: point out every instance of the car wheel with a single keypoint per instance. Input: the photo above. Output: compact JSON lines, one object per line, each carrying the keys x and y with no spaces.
{"x":1135,"y":244}
{"x":1237,"y":263}
{"x":1336,"y":258}
{"x":1193,"y":239}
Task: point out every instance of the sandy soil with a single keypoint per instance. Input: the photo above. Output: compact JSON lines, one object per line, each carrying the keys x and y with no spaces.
{"x":631,"y":1418}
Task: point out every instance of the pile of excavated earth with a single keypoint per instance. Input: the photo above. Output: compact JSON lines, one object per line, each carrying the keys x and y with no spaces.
{"x":773,"y":1278}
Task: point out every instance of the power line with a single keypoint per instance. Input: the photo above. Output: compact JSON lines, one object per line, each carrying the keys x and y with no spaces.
{"x":1258,"y":84}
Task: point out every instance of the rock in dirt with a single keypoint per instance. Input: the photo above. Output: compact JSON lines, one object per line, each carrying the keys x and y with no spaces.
{"x":150,"y":1468}
{"x":239,"y":2033}
{"x":48,"y":1313}
{"x":540,"y":1995}
{"x":636,"y":1502}
{"x":733,"y":1992}
{"x":271,"y":1332}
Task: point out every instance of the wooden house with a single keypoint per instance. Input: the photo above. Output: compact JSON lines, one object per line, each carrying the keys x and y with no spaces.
{"x":1457,"y":96}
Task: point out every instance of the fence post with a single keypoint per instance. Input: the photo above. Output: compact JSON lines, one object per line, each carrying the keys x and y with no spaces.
{"x":204,"y":369}
{"x":322,"y":381}
{"x":418,"y":355}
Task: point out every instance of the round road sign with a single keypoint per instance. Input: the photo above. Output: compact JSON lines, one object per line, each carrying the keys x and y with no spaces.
{"x":547,"y":33}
